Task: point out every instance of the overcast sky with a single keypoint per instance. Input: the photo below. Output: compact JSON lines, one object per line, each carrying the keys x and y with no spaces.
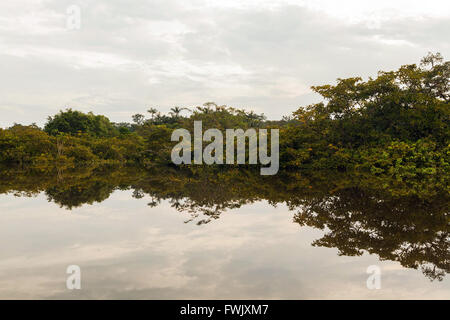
{"x":263,"y":55}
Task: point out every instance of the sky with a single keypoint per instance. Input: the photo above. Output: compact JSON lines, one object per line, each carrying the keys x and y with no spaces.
{"x":125,"y":57}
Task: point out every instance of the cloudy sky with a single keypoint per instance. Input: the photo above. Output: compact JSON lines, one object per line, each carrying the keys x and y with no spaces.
{"x":256,"y":54}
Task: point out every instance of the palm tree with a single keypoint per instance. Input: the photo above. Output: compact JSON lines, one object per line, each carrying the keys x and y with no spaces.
{"x":152,"y":112}
{"x":175,"y":111}
{"x":205,"y":109}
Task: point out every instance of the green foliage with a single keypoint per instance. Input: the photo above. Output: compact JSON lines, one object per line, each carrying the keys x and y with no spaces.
{"x":223,"y":117}
{"x":30,"y":146}
{"x":75,"y":122}
{"x":21,"y":144}
{"x":419,"y":168}
{"x":402,"y":115}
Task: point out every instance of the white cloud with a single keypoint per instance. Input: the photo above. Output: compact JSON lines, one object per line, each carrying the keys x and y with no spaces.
{"x":257,"y":54}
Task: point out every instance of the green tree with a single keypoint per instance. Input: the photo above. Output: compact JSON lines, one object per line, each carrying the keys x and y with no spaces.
{"x":74,"y":122}
{"x":153,"y":112}
{"x":138,"y":118}
{"x":175,"y":111}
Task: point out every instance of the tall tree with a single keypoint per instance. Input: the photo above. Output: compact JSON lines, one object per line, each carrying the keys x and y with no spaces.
{"x":73,"y":122}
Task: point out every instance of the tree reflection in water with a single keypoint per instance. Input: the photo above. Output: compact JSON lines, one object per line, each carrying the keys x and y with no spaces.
{"x":358,"y":213}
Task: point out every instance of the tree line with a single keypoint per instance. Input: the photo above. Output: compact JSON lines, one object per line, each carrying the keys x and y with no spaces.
{"x":395,"y":124}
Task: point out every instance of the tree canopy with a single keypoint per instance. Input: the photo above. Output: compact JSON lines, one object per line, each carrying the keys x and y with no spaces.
{"x":74,"y":122}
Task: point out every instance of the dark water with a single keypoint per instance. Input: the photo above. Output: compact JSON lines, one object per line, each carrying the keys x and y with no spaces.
{"x":206,"y":233}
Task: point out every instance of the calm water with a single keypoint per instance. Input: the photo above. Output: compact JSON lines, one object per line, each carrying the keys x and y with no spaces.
{"x":211,"y":235}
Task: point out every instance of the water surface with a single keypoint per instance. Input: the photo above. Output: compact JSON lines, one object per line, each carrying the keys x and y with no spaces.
{"x":166,"y":234}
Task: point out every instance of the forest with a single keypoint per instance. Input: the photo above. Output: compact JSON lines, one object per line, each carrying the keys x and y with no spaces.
{"x":394,"y":126}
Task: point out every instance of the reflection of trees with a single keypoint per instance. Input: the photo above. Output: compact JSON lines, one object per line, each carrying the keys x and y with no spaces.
{"x":357,"y":217}
{"x":75,"y":195}
{"x":69,"y":188}
{"x":207,"y":212}
{"x":203,"y":194}
{"x":411,"y":231}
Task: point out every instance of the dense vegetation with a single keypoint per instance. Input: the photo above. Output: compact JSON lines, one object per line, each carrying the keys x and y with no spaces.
{"x":395,"y":125}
